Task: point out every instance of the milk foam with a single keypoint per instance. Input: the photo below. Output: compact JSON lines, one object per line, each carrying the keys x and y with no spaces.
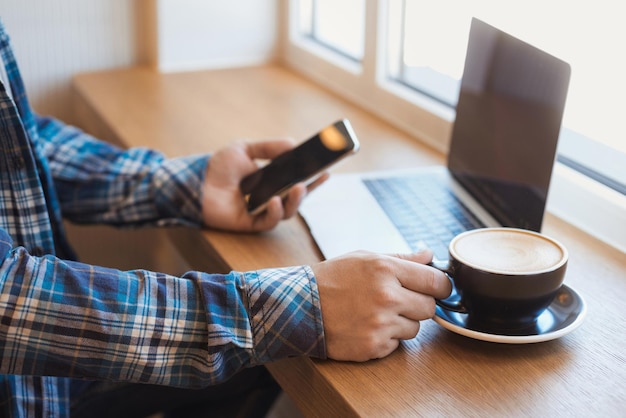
{"x":511,"y":252}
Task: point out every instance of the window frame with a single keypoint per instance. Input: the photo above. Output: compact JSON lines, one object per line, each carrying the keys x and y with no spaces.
{"x":574,"y":197}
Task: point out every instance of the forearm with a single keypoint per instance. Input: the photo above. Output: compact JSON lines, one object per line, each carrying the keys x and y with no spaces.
{"x":70,"y":319}
{"x":97,"y":182}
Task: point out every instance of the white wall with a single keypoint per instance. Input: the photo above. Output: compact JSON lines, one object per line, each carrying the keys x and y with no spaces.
{"x":55,"y":39}
{"x":196,"y":34}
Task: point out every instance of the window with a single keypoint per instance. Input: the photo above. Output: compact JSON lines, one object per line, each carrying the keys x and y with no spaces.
{"x":411,"y":61}
{"x":563,"y":28}
{"x":336,"y":24}
{"x":418,"y":41}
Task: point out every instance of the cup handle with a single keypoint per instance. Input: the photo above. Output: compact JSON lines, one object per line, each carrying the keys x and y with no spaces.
{"x":452,"y":302}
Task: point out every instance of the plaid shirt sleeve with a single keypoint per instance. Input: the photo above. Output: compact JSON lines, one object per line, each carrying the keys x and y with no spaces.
{"x":97,"y":182}
{"x":60,"y":318}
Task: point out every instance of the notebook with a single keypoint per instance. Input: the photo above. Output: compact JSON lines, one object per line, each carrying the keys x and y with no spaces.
{"x":502,"y":151}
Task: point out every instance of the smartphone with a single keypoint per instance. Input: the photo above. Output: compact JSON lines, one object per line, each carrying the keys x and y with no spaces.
{"x":304,"y":163}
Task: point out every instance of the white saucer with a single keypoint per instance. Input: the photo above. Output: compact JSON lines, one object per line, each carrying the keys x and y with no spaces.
{"x":564,"y":315}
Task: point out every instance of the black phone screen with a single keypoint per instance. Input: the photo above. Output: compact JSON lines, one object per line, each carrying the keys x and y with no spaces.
{"x":302,"y":163}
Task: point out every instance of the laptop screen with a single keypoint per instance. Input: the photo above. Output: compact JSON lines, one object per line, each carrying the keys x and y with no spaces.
{"x":507,"y":125}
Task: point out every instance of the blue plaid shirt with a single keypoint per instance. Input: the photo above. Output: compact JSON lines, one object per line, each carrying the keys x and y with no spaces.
{"x":66,"y":319}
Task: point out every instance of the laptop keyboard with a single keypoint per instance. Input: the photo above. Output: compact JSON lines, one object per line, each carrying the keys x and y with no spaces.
{"x":424,"y":210}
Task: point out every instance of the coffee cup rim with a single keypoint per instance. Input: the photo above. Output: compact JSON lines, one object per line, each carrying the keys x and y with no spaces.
{"x":556,"y":266}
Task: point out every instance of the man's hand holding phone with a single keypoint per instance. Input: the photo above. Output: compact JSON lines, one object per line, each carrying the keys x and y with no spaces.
{"x":304,"y":163}
{"x":277,"y":195}
{"x":222,"y":204}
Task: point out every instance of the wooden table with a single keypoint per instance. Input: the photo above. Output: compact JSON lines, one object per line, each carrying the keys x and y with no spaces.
{"x":437,"y":373}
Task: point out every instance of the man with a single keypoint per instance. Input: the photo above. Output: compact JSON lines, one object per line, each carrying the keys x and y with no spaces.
{"x":72,"y":334}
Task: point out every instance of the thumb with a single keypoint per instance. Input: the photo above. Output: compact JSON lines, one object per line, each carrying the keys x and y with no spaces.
{"x":423,"y":257}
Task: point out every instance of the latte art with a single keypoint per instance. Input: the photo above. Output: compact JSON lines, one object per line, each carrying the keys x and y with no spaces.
{"x":509,"y":252}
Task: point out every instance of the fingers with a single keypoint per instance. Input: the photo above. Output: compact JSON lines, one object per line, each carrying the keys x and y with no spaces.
{"x":294,"y":198}
{"x":405,"y":329}
{"x":268,"y":149}
{"x":414,"y":275}
{"x":278,"y":209}
{"x":296,"y":195}
{"x":270,"y":217}
{"x":421,"y":257}
{"x":319,"y":180}
{"x":415,"y":306}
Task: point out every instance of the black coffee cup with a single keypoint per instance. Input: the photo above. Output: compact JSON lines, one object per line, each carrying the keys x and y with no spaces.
{"x":503,"y":277}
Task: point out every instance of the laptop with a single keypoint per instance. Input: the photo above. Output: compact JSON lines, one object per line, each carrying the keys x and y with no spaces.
{"x":502,"y":151}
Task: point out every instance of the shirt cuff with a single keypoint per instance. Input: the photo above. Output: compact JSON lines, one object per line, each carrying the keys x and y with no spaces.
{"x":285,"y":313}
{"x":178,"y":194}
